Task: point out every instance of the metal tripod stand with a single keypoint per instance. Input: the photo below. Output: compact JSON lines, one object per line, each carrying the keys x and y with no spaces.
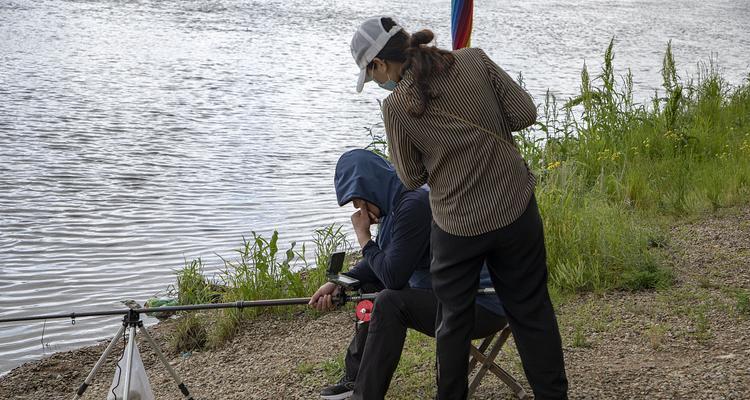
{"x":131,"y":322}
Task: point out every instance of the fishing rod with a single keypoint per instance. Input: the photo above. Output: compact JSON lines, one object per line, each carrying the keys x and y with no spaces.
{"x":348,"y":284}
{"x":338,"y":300}
{"x":335,"y":264}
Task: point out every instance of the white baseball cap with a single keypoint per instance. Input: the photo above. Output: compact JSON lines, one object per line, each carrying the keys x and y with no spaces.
{"x":370,"y":38}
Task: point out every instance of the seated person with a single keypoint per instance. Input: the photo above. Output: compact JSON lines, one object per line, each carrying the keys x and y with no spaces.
{"x":397,"y":267}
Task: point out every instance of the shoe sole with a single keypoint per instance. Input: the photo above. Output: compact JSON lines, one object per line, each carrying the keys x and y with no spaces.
{"x":340,"y":396}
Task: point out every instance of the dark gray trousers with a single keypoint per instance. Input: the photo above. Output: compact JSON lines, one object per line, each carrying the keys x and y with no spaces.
{"x":516,"y":260}
{"x":375,"y":350}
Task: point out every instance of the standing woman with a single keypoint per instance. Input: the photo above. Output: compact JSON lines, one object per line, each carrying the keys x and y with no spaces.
{"x":448,"y":123}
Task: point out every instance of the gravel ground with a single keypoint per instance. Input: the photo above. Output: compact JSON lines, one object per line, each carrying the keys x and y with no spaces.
{"x":690,"y":341}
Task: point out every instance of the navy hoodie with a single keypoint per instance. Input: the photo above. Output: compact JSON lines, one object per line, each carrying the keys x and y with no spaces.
{"x":401,"y":255}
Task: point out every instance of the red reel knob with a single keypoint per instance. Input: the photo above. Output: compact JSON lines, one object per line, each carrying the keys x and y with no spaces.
{"x":363,"y":309}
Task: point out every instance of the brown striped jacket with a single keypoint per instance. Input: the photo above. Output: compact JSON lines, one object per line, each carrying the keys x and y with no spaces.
{"x":462,"y":146}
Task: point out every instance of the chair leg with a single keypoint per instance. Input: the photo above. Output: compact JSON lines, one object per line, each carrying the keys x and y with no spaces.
{"x":486,"y":361}
{"x":482,"y":347}
{"x":509,"y":380}
{"x":488,"y":364}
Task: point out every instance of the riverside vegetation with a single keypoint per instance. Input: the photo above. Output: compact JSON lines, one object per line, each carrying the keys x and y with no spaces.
{"x":612,"y":175}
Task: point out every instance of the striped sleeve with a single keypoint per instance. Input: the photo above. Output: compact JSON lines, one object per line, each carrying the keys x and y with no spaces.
{"x":406,"y":158}
{"x":517,"y":106}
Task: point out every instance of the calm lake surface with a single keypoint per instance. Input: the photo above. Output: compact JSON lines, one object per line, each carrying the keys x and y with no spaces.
{"x":136,"y":134}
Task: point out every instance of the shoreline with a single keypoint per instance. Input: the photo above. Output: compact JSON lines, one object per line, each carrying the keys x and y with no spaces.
{"x":686,"y":341}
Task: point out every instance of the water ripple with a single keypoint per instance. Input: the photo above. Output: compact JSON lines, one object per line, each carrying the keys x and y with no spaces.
{"x":135,"y":135}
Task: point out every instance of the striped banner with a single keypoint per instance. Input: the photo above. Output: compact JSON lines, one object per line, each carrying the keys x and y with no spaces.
{"x":461,"y":21}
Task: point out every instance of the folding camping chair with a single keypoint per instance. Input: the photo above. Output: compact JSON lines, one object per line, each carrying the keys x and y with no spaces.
{"x":485,"y":356}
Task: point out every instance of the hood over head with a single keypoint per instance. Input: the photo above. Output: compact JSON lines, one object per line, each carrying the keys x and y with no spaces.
{"x":365,"y":175}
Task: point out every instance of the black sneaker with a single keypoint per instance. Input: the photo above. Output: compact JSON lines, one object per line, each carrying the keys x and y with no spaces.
{"x":340,"y":391}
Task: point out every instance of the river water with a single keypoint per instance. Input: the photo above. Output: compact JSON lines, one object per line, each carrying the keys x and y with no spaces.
{"x":136,"y":134}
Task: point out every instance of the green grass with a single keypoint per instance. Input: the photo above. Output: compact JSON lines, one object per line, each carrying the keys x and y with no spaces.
{"x":192,"y":286}
{"x":742,"y":306}
{"x":579,"y":338}
{"x":189,"y":333}
{"x":701,"y":328}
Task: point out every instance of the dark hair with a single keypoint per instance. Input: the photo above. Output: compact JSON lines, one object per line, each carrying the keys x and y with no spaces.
{"x":424,"y":61}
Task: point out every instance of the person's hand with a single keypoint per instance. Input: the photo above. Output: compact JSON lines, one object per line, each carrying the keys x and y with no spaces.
{"x":373,"y":218}
{"x":361,"y":221}
{"x":322,"y":300}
